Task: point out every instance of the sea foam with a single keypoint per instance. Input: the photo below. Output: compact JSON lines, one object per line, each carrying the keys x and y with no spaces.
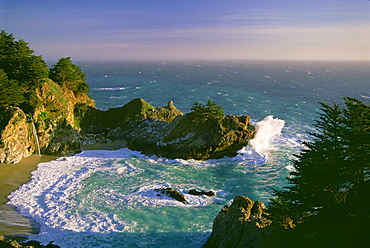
{"x":256,"y":152}
{"x":266,"y":130}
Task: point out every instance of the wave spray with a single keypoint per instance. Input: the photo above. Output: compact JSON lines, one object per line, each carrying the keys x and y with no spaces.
{"x":266,"y":130}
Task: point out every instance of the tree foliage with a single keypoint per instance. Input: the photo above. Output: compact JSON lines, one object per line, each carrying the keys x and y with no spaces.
{"x":69,"y":75}
{"x":17,"y":61}
{"x":332,"y":175}
{"x":210,"y":111}
{"x":21,"y":71}
{"x":9,"y":93}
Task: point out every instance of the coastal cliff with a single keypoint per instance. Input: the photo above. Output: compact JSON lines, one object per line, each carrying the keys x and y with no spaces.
{"x":49,"y":110}
{"x":52,"y":126}
{"x":163,"y":131}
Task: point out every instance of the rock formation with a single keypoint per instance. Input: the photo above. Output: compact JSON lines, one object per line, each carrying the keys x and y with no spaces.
{"x":56,"y":120}
{"x":18,"y":244}
{"x":239,"y":225}
{"x":196,"y":192}
{"x":170,"y":192}
{"x":244,"y":224}
{"x":167,"y":132}
{"x":63,"y":119}
{"x":16,"y":140}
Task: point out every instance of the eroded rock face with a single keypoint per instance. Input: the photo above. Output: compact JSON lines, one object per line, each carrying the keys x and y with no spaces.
{"x":16,"y":140}
{"x":66,"y":141}
{"x":237,"y":225}
{"x":54,"y":121}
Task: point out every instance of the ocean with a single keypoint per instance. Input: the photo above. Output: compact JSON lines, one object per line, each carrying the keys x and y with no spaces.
{"x":106,"y":198}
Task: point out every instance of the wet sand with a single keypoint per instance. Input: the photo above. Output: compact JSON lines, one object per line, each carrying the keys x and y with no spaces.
{"x":12,"y":176}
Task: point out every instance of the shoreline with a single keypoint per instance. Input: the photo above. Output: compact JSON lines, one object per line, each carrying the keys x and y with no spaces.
{"x":12,"y":176}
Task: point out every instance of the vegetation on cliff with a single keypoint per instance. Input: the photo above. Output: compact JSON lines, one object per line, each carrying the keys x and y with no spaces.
{"x":29,"y":92}
{"x":69,"y":75}
{"x":211,"y":111}
{"x":22,"y":73}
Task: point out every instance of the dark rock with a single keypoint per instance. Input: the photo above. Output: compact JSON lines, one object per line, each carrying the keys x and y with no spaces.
{"x":65,"y":141}
{"x":170,"y":192}
{"x":167,"y":132}
{"x":98,"y":121}
{"x":237,"y":225}
{"x":196,"y":192}
{"x":19,"y":244}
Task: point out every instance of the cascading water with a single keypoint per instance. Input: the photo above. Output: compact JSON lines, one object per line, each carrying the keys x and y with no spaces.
{"x":38,"y":151}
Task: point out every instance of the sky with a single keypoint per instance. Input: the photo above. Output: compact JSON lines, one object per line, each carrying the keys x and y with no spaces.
{"x":103,"y":30}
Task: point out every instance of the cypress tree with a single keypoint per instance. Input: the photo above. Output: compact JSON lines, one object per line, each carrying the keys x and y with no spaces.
{"x":333,"y":169}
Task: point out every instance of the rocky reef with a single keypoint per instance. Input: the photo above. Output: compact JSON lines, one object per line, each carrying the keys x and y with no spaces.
{"x":29,"y":244}
{"x":172,"y":193}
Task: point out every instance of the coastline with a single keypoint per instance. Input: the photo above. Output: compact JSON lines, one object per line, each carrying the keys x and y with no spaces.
{"x":12,"y":176}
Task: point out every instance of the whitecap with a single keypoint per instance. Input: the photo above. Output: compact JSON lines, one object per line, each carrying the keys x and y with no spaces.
{"x":110,"y":88}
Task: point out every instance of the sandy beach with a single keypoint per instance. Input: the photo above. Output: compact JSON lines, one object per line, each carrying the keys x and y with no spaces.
{"x":14,"y":175}
{"x":11,"y":177}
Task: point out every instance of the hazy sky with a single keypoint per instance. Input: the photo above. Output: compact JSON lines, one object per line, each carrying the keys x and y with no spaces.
{"x":191,"y":29}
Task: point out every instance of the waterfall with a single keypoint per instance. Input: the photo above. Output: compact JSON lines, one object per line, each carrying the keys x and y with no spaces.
{"x":38,"y":152}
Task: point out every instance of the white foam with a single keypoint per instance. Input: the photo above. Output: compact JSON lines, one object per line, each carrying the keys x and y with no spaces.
{"x":48,"y":197}
{"x":113,"y":88}
{"x":53,"y":196}
{"x":266,"y":130}
{"x":256,"y":152}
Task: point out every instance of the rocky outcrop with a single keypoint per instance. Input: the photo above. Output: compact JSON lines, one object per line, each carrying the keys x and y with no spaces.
{"x":174,"y":194}
{"x":54,"y":123}
{"x":239,"y":225}
{"x":196,"y":192}
{"x":65,"y":141}
{"x":59,"y":109}
{"x":133,"y":113}
{"x":63,"y":119}
{"x":167,"y":132}
{"x":18,"y":244}
{"x":16,"y":140}
{"x":244,"y":224}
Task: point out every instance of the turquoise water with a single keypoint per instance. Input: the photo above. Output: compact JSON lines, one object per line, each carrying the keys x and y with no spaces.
{"x":107,"y":198}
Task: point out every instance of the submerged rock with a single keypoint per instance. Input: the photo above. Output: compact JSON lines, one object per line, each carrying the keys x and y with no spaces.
{"x":170,"y":192}
{"x":196,"y":192}
{"x":29,"y":244}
